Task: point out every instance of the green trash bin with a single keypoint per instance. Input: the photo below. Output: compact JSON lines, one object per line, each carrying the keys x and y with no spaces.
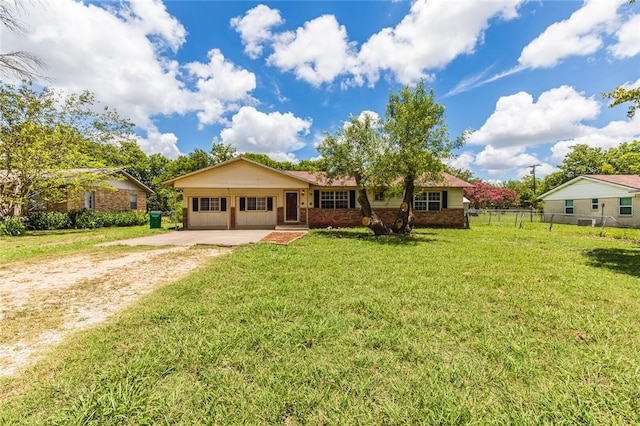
{"x":155,"y":220}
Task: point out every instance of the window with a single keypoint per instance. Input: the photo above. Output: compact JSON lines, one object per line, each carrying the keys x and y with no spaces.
{"x":626,"y":206}
{"x":334,"y":199}
{"x":427,"y":201}
{"x":209,"y":204}
{"x":379,"y":195}
{"x":568,"y":206}
{"x":257,"y":203}
{"x":133,"y":201}
{"x":89,"y":200}
{"x":594,"y":204}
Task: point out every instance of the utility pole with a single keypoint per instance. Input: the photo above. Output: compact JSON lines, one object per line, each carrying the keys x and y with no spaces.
{"x":533,"y":172}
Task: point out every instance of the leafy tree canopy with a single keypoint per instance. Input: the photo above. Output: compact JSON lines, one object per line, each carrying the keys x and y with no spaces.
{"x":409,"y":144}
{"x":43,"y":134}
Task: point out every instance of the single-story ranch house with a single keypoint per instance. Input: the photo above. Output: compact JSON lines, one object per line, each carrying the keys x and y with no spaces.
{"x":119,"y":192}
{"x":241,"y":193}
{"x":594,"y":199}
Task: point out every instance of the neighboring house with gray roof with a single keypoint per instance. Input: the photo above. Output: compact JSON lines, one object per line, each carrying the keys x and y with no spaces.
{"x":594,"y":199}
{"x":241,"y":193}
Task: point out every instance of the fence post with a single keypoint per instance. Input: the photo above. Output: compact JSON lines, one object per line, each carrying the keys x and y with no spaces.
{"x":489,"y":218}
{"x":551,"y":223}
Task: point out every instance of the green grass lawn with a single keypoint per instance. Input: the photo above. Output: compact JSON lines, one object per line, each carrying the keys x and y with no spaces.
{"x":488,"y":325}
{"x":38,"y":245}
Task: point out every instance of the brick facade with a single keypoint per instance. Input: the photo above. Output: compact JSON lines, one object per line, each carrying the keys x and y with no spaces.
{"x":344,"y":218}
{"x":105,"y":200}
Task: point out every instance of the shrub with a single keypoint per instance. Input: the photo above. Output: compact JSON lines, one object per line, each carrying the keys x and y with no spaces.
{"x":48,"y":220}
{"x":12,"y":226}
{"x":90,"y":219}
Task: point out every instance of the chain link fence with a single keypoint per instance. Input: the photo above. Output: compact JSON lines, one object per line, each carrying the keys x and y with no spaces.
{"x":520,"y":217}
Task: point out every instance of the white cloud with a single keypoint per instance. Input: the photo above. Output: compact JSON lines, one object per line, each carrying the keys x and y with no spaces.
{"x":275,"y":133}
{"x":160,"y":143}
{"x":609,"y":136}
{"x":220,"y":83}
{"x":255,"y":28}
{"x":429,"y":37}
{"x":151,"y":18}
{"x":317,"y":52}
{"x":499,"y":161}
{"x":580,"y":35}
{"x":118,"y":54}
{"x":519,"y":121}
{"x":628,"y":39}
{"x":462,"y":161}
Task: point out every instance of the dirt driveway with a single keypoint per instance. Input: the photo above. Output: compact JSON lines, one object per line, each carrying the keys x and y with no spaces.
{"x":41,"y":303}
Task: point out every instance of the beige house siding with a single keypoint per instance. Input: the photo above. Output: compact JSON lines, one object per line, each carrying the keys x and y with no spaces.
{"x":582,"y":211}
{"x":240,"y":178}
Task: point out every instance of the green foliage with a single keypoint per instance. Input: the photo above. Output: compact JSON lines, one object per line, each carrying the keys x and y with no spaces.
{"x":44,"y":133}
{"x":84,"y":219}
{"x":584,"y":160}
{"x":356,"y":151}
{"x":91,"y":219}
{"x":221,"y":152}
{"x":12,"y":226}
{"x":409,"y":145}
{"x":621,"y":95}
{"x":418,"y":135}
{"x":48,"y":220}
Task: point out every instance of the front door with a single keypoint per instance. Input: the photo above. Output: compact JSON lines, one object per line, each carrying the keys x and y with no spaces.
{"x":291,"y":207}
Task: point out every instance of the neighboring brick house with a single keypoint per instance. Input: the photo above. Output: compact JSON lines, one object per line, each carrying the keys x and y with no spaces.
{"x":241,"y":193}
{"x":594,"y":200}
{"x":119,"y":192}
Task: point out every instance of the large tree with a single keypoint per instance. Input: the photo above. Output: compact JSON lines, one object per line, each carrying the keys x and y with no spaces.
{"x":357,"y":151}
{"x":404,"y":150}
{"x":419,"y":141}
{"x":43,"y":134}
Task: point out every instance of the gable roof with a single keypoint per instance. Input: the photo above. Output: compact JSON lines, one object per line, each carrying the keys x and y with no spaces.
{"x":109,"y":171}
{"x":320,"y":178}
{"x":630,"y":181}
{"x":627,"y":182}
{"x":171,"y":182}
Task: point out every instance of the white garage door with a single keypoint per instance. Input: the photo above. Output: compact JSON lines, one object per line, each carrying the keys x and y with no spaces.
{"x":256,"y":212}
{"x":208,"y":213}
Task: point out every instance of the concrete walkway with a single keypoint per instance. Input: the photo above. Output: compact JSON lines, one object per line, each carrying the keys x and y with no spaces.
{"x":190,"y":238}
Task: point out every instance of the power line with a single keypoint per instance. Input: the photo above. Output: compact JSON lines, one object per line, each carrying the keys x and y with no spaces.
{"x":533,"y":172}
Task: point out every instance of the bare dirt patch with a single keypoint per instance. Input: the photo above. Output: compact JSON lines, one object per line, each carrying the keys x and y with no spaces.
{"x":40,"y":303}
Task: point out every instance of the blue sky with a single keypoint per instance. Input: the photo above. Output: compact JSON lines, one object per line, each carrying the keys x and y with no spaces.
{"x":272,"y":77}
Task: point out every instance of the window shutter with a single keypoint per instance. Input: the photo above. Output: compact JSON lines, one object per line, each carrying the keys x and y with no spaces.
{"x":223,"y":204}
{"x":316,"y":198}
{"x":194,"y":204}
{"x":243,"y":204}
{"x":444,"y":199}
{"x":270,"y":204}
{"x":352,"y":199}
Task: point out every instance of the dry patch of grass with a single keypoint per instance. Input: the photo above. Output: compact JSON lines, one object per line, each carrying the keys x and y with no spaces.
{"x":42,"y":302}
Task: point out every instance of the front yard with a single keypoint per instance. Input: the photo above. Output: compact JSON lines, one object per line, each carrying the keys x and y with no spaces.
{"x":487,"y":325}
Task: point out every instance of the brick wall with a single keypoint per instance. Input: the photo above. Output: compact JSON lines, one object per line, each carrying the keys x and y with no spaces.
{"x":105,"y":201}
{"x":118,"y":201}
{"x":322,"y":218}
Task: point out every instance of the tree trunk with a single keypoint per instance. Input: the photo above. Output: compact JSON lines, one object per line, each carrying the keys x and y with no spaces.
{"x":369,"y":217}
{"x":404,"y":218}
